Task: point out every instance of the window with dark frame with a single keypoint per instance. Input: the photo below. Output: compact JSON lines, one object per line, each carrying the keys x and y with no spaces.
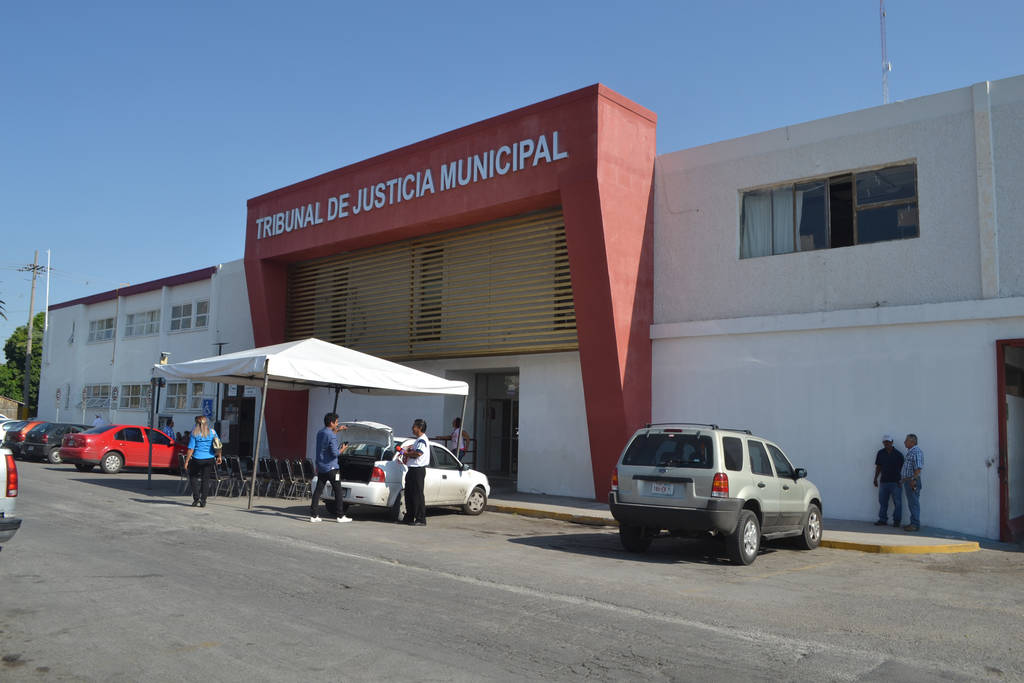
{"x":860,"y":207}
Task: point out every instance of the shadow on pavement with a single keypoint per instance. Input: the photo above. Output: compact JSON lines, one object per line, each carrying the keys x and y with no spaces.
{"x":162,"y":485}
{"x":666,"y":550}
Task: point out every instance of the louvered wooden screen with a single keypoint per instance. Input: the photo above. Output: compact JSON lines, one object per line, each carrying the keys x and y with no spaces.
{"x":495,"y":288}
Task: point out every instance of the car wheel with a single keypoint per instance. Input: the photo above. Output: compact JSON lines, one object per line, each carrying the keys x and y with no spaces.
{"x":53,"y":457}
{"x":743,"y":543}
{"x":83,"y":467}
{"x":476,"y":502}
{"x":397,"y":509}
{"x":633,"y":538}
{"x":811,"y":537}
{"x":112,"y":463}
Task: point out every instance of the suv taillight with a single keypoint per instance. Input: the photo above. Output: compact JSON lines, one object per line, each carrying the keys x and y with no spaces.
{"x":378,"y":475}
{"x":12,"y":476}
{"x":615,"y":479}
{"x":46,"y":438}
{"x":720,"y":486}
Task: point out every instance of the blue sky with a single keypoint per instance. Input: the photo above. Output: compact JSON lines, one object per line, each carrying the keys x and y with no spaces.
{"x":134,"y":132}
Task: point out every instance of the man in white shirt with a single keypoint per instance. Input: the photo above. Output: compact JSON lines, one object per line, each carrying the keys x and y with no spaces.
{"x":417,"y":457}
{"x":99,"y":421}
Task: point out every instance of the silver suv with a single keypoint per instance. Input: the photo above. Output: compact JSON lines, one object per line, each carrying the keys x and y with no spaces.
{"x":697,"y":479}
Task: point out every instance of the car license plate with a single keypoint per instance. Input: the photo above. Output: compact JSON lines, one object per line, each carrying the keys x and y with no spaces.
{"x":659,"y":489}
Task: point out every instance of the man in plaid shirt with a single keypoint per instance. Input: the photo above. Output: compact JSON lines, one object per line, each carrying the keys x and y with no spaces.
{"x":910,"y":477}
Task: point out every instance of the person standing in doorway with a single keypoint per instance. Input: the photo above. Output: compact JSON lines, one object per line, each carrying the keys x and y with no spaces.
{"x":169,"y":429}
{"x":459,"y":439}
{"x":888,"y":464}
{"x":417,"y":457}
{"x":99,"y":421}
{"x":203,"y":450}
{"x":328,"y":469}
{"x":913,"y":463}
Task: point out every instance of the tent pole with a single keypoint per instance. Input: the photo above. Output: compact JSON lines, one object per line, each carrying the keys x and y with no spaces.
{"x":337,"y":390}
{"x":259,"y":431}
{"x":462,"y":426}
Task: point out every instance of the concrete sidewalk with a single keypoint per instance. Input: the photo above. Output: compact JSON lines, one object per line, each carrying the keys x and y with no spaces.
{"x":841,"y":534}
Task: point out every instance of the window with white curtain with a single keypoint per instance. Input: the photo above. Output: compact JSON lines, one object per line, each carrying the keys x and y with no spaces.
{"x":842,"y":210}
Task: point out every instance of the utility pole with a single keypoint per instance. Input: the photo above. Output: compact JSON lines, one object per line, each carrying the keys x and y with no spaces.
{"x":886,"y":64}
{"x":35,"y":268}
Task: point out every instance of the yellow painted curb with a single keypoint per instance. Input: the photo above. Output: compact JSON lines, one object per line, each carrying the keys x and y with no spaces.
{"x":963,"y":547}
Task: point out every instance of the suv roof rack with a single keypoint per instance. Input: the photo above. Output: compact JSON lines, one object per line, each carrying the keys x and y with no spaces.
{"x":734,"y":429}
{"x":680,"y":424}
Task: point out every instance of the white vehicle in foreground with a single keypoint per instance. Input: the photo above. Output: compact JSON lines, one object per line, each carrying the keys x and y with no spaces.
{"x":9,"y":524}
{"x":370,"y":475}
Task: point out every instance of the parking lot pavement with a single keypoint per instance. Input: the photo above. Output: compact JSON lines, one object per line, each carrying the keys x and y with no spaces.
{"x":839,"y":534}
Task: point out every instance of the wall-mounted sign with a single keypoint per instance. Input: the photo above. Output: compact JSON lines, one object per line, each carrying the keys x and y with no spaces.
{"x":475,"y":168}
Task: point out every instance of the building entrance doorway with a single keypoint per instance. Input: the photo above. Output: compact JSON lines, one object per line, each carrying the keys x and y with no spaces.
{"x":1010,"y":366}
{"x":239,"y":414}
{"x":497,"y":421}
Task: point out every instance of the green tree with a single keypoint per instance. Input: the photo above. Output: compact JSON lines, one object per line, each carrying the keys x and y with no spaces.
{"x":12,"y":375}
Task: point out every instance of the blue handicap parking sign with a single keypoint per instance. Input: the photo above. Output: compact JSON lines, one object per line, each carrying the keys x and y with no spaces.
{"x":208,"y":407}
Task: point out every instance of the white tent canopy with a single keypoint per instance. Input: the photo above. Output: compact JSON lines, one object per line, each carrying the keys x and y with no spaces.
{"x":301,"y":364}
{"x":309,"y":363}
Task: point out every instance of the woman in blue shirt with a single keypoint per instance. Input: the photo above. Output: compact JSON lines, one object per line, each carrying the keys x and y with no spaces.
{"x":200,"y":459}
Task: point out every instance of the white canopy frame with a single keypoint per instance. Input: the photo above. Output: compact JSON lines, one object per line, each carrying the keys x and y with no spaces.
{"x":299,"y":365}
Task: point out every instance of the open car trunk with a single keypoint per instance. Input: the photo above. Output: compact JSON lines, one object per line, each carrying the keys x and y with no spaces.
{"x":368,"y":443}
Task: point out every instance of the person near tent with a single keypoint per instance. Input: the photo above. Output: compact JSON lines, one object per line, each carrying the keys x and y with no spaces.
{"x":458,"y":439}
{"x":327,"y":467}
{"x":203,"y":448}
{"x":417,"y":457}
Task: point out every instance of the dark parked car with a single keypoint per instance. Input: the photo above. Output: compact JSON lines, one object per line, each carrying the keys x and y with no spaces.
{"x":15,"y":436}
{"x":43,"y":440}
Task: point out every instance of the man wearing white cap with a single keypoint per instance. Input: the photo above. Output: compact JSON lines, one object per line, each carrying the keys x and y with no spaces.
{"x":888,"y":463}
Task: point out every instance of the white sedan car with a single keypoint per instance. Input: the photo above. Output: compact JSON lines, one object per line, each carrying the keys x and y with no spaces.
{"x":370,"y":475}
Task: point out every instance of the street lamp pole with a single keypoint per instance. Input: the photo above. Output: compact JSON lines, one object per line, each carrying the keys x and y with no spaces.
{"x":154,"y":402}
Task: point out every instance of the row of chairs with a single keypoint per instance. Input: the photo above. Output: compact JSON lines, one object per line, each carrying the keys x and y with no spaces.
{"x":280,"y":478}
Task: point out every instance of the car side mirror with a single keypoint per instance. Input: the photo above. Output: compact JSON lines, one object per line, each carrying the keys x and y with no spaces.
{"x":800,"y":473}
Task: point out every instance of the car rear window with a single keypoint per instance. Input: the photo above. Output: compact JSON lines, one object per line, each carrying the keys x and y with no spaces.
{"x":38,"y":430}
{"x":660,"y":449}
{"x":366,"y":450}
{"x":99,"y":430}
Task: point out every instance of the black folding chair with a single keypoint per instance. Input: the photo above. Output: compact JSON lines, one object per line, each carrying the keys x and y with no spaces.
{"x":301,"y":485}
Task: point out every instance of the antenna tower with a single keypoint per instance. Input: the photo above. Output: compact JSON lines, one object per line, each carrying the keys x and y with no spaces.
{"x":886,"y":64}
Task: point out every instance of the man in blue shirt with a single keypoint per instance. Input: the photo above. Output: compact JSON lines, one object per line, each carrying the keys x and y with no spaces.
{"x":169,"y":430}
{"x":913,"y":463}
{"x":327,"y":467}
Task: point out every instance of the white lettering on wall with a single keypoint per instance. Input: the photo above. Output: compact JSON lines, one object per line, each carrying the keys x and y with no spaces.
{"x":474,"y":168}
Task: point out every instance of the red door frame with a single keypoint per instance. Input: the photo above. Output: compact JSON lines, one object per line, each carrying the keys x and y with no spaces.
{"x":1009,"y":529}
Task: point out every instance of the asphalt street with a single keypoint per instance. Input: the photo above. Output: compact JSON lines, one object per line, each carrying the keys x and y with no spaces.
{"x":109,"y":581}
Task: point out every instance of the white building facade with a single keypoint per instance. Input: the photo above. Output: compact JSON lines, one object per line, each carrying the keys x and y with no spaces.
{"x":775,"y":311}
{"x":99,"y":351}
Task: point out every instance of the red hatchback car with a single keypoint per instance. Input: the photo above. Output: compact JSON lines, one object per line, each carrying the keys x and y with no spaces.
{"x":114,"y":447}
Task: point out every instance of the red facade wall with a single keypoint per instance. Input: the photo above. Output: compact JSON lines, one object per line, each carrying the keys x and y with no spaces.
{"x":605,"y":188}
